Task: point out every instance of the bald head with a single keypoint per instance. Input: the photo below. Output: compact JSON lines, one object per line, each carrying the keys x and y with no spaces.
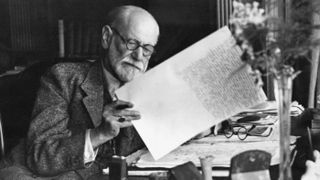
{"x":125,"y":17}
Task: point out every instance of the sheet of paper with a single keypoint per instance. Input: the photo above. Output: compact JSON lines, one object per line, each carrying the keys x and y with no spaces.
{"x":221,"y":152}
{"x":190,"y":92}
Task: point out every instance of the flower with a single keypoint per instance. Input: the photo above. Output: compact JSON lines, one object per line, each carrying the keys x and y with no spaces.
{"x":271,"y":44}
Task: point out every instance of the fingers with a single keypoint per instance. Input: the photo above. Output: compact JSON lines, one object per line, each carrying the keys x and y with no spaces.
{"x":128,"y":114}
{"x":118,"y":112}
{"x":125,"y":120}
{"x":121,"y":123}
{"x":125,"y":124}
{"x":116,"y":115}
{"x":119,"y":104}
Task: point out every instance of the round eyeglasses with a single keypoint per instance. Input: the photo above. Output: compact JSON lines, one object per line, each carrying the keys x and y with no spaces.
{"x":238,"y":130}
{"x":243,"y":132}
{"x":133,"y":44}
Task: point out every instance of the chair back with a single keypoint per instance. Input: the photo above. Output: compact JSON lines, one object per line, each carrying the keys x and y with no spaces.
{"x":17,"y":95}
{"x":186,"y":171}
{"x":253,"y":164}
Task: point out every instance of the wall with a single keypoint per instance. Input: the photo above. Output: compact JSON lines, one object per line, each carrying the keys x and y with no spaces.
{"x":32,"y":25}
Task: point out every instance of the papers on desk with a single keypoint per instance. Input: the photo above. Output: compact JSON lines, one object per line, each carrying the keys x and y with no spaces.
{"x":271,"y":107}
{"x":222,"y":153}
{"x":190,"y":92}
{"x":221,"y":148}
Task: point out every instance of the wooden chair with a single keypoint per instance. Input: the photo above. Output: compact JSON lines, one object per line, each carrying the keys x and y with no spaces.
{"x":17,"y":96}
{"x":253,"y":164}
{"x":186,"y":171}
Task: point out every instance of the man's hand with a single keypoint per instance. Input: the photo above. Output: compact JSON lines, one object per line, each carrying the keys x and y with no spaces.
{"x":115,"y":115}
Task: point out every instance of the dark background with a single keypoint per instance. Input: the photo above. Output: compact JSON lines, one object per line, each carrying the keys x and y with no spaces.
{"x":29,"y":28}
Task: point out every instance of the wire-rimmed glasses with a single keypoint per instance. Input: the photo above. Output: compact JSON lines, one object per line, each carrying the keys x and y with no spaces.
{"x":133,"y":44}
{"x":244,"y":131}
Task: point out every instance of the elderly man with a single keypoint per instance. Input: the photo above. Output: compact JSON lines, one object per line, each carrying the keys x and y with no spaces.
{"x":78,"y":123}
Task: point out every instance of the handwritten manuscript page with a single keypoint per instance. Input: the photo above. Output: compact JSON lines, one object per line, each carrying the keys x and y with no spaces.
{"x":190,"y":92}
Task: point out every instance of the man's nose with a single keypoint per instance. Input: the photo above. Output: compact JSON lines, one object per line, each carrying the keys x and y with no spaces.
{"x":138,"y":54}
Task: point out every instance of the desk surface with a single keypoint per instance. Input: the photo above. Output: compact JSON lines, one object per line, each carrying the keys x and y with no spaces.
{"x":212,"y":145}
{"x":222,"y":149}
{"x":273,"y":174}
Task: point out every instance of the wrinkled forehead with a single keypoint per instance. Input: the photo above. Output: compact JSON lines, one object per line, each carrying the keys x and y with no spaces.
{"x":140,"y":26}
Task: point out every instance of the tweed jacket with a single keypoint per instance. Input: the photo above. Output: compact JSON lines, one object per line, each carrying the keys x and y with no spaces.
{"x":70,"y":101}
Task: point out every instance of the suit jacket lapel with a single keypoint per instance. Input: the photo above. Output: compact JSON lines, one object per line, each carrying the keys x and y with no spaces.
{"x":93,"y":86}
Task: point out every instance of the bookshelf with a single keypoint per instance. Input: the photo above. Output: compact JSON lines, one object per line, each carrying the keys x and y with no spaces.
{"x":81,"y":39}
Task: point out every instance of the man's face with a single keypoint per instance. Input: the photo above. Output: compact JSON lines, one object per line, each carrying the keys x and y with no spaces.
{"x":125,"y":61}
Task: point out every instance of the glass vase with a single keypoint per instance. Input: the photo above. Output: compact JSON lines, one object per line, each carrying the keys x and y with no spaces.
{"x":283,"y":94}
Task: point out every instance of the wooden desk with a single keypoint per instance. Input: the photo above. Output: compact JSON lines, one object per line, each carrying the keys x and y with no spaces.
{"x":274,"y":171}
{"x":297,"y":171}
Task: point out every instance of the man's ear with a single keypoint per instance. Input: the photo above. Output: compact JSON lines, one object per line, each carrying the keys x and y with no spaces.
{"x":106,"y":36}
